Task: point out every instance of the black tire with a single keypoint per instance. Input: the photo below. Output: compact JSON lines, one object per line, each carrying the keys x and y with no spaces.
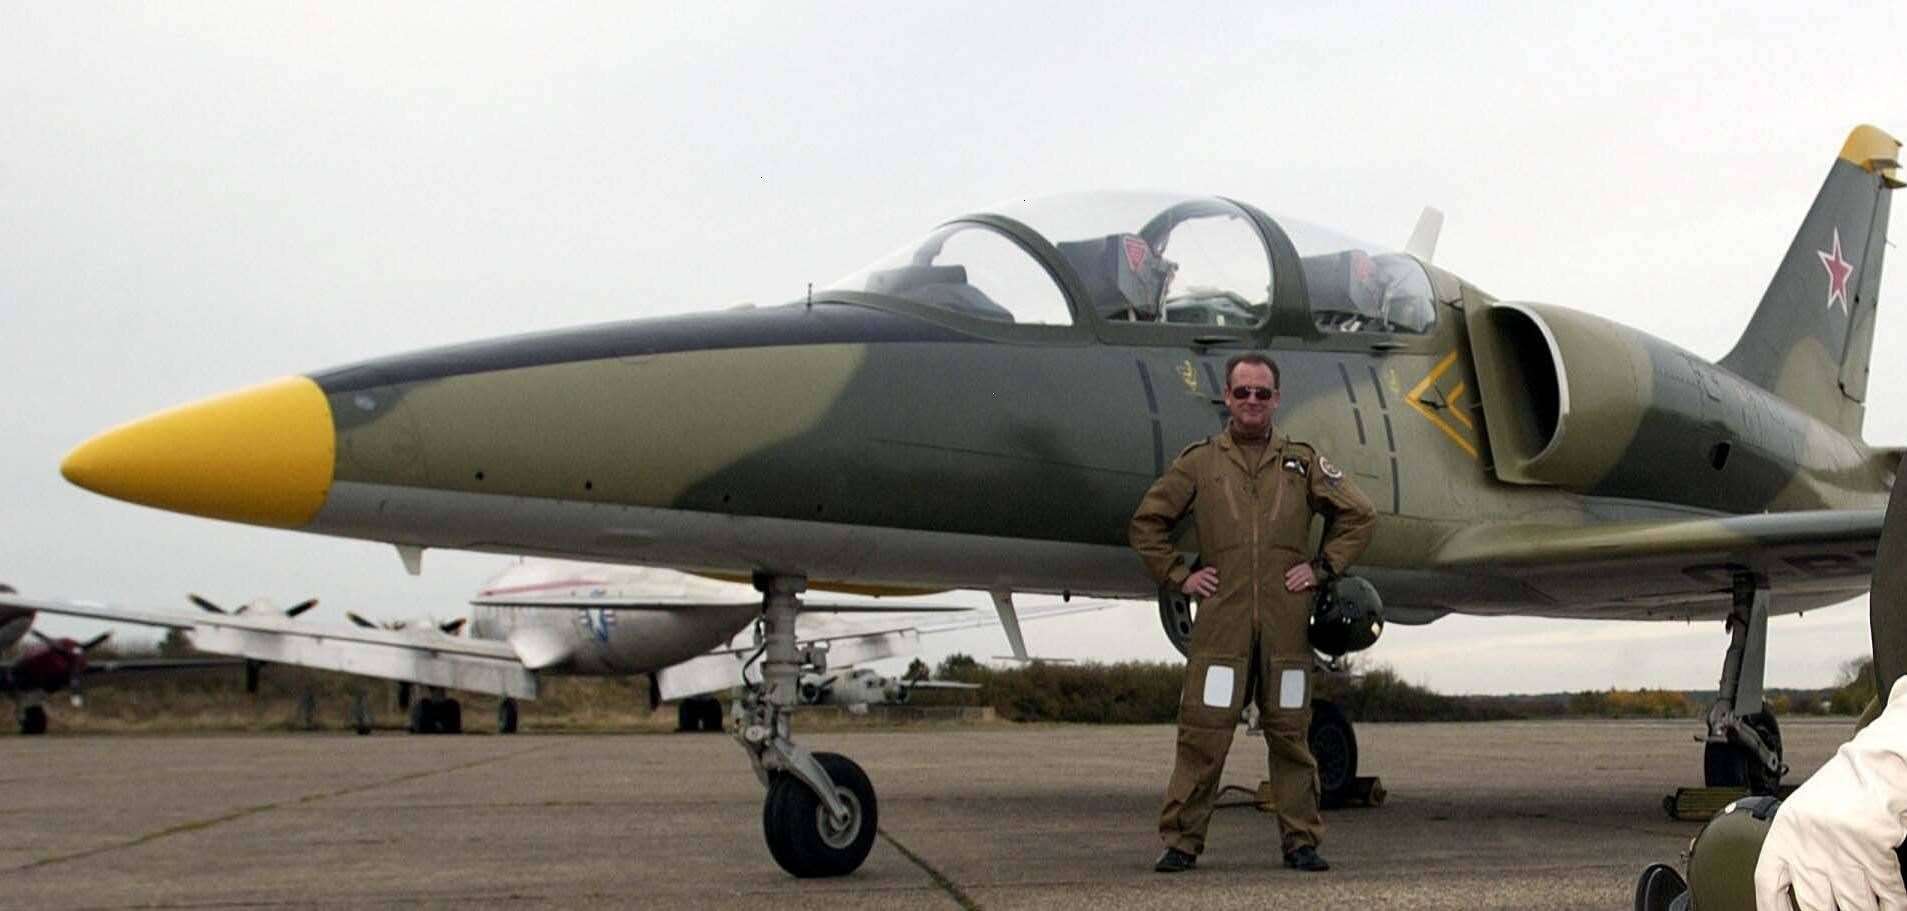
{"x":33,"y":720}
{"x":795,"y":821}
{"x":360,"y":716}
{"x":1658,"y":887}
{"x":450,"y":716}
{"x":1333,"y":744}
{"x":1726,"y":765}
{"x":506,"y":716}
{"x":421,"y":719}
{"x":698,"y":713}
{"x":1176,"y":616}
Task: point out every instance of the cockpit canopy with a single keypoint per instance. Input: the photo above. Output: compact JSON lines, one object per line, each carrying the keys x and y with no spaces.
{"x":1150,"y":258}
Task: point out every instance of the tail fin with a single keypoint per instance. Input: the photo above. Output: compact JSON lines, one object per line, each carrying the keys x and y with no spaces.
{"x":1809,"y":340}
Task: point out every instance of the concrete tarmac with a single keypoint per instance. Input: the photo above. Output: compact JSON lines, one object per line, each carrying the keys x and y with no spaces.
{"x":1524,"y":815}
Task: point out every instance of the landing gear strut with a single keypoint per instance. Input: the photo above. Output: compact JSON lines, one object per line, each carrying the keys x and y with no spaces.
{"x":820,"y":815}
{"x":1742,"y":748}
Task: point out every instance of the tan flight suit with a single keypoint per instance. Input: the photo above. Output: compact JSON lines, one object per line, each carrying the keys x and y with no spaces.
{"x":1253,"y":524}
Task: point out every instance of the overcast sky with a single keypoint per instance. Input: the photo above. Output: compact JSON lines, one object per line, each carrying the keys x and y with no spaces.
{"x":198,"y":197}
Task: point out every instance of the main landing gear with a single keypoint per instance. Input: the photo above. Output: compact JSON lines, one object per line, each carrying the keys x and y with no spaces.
{"x":32,"y":718}
{"x":820,"y":814}
{"x":436,"y":713}
{"x":1742,"y":747}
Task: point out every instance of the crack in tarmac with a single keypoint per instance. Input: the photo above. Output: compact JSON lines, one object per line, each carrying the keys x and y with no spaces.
{"x":940,"y":879}
{"x":198,"y":825}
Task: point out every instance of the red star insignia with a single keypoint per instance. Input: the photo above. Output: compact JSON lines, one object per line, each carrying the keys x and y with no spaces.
{"x":1838,"y":271}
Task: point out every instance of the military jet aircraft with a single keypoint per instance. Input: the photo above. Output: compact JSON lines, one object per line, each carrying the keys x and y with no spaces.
{"x":983,"y":409}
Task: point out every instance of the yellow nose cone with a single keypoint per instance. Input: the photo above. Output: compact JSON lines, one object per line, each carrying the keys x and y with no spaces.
{"x":262,"y":455}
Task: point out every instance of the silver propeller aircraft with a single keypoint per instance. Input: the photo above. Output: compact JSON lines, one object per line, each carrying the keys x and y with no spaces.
{"x":984,"y":408}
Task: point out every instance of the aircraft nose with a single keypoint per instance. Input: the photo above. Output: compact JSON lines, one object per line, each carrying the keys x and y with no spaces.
{"x":262,"y":455}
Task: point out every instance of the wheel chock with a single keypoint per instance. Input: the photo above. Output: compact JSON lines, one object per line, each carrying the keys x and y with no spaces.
{"x":1365,"y":791}
{"x":1701,"y":804}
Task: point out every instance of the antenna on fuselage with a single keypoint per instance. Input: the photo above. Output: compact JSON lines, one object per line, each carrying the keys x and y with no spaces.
{"x":1423,"y":238}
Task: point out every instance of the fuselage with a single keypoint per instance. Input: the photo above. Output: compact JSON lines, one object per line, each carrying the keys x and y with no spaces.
{"x":898,"y":432}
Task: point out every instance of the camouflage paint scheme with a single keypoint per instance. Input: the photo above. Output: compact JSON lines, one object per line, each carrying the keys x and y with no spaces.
{"x":1524,"y":458}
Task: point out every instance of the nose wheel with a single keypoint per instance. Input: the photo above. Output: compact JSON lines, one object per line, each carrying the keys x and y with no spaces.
{"x":805,"y":839}
{"x":820,"y":814}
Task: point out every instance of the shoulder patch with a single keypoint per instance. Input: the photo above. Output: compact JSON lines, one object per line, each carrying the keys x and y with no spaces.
{"x":1188,"y":449}
{"x":1330,"y":471}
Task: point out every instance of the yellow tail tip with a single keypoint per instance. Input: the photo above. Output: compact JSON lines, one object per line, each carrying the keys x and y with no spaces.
{"x":1871,"y":149}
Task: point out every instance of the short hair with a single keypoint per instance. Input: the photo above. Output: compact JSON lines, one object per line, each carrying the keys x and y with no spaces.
{"x":1253,"y":357}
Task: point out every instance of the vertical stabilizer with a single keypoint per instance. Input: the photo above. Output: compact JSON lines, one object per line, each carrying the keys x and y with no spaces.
{"x":1809,"y":340}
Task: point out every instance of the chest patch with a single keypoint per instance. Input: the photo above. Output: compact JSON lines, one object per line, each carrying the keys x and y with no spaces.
{"x":1297,"y":465}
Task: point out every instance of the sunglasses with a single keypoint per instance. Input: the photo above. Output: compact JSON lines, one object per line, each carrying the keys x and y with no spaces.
{"x":1261,"y":393}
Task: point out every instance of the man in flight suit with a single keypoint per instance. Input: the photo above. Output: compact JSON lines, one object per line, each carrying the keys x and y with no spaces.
{"x":1252,"y":493}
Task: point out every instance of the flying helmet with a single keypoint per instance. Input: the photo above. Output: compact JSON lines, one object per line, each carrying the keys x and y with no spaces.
{"x":1348,"y":617}
{"x":1721,"y":863}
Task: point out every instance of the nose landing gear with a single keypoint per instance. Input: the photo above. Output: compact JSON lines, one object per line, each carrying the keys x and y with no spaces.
{"x":820,"y":813}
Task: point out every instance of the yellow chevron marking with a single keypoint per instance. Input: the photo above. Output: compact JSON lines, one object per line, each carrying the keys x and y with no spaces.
{"x":1456,"y":395}
{"x":1416,"y":402}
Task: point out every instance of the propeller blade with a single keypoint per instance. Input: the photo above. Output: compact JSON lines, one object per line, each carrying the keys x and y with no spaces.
{"x":94,"y":642}
{"x":354,"y":618}
{"x":44,"y":638}
{"x":1887,"y":603}
{"x":655,"y":692}
{"x":301,"y":607}
{"x":453,"y":626}
{"x":204,"y":604}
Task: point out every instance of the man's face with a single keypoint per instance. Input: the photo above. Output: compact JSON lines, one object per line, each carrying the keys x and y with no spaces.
{"x":1251,"y":414}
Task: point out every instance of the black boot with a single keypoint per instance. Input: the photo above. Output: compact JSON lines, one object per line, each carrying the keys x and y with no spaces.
{"x":1305,"y":857}
{"x":1175,"y":861}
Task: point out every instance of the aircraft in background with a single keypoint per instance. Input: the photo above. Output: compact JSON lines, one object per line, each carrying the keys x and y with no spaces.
{"x":686,"y":633}
{"x":983,"y":409}
{"x":52,"y":665}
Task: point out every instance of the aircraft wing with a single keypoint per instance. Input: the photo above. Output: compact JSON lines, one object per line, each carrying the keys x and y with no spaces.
{"x":113,"y":666}
{"x":722,"y":669}
{"x":611,"y":602}
{"x":431,"y":659}
{"x":1670,"y":570}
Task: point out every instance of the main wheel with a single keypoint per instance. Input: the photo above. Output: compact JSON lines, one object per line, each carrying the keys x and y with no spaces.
{"x":450,"y":716}
{"x":712,"y":715}
{"x":506,"y":716}
{"x":1177,"y":615}
{"x":800,"y":834}
{"x":1334,"y":745}
{"x":1726,"y":765}
{"x":33,"y":720}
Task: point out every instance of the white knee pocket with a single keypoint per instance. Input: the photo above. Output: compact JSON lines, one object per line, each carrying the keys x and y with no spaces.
{"x":1219,"y":681}
{"x":1291,"y":688}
